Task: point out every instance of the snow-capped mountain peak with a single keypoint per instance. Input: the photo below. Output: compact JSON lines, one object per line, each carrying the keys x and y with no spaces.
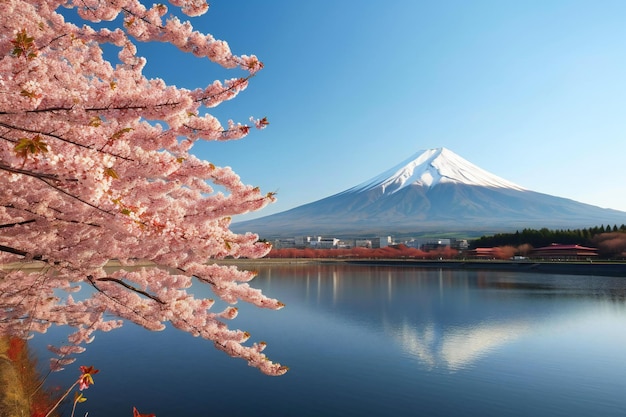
{"x":431,"y":167}
{"x":434,"y":191}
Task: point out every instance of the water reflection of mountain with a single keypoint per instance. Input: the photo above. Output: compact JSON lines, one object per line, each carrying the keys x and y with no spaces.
{"x":444,"y":318}
{"x":456,"y":347}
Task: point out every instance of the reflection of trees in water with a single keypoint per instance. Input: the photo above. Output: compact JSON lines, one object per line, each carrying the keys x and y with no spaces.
{"x":360,"y":284}
{"x":604,"y":288}
{"x":21,"y":386}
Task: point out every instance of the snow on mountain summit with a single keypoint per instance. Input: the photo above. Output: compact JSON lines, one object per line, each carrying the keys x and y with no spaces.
{"x":431,"y":167}
{"x":434,"y":191}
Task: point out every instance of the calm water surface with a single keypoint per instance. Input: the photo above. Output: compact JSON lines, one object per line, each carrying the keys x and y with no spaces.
{"x":383,"y":341}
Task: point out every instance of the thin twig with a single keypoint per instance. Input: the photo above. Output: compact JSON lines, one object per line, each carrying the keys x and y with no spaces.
{"x":62,"y":139}
{"x":62,"y":191}
{"x":33,"y":174}
{"x":125,"y":285}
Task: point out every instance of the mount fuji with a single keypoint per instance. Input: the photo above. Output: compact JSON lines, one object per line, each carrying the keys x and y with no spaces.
{"x":434,"y":191}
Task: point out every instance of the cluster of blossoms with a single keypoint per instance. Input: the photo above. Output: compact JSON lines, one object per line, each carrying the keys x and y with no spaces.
{"x":95,"y":165}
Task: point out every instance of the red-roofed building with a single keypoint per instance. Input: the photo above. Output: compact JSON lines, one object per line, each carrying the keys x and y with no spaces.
{"x":482,"y":253}
{"x":565,"y":252}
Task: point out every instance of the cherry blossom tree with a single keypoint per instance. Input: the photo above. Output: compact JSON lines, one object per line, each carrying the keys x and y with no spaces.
{"x":96,"y":165}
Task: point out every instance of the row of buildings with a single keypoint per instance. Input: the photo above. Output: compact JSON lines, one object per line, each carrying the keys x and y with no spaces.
{"x":551,"y":252}
{"x":320,"y":242}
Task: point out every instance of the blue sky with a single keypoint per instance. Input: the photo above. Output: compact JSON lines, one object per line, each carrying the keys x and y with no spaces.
{"x":532,"y":91}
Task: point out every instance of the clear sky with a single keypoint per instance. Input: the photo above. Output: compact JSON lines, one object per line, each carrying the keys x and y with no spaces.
{"x":532,"y":91}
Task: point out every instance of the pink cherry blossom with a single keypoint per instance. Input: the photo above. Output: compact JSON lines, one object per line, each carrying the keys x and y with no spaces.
{"x":106,"y":215}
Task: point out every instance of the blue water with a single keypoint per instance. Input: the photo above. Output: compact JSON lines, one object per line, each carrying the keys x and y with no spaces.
{"x":382,"y":341}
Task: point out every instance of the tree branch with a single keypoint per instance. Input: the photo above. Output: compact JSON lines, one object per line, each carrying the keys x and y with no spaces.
{"x":62,"y":139}
{"x":62,"y":191}
{"x":125,"y":285}
{"x":47,"y":178}
{"x":101,"y":109}
{"x":58,"y":219}
{"x":2,"y":226}
{"x":18,"y":252}
{"x":38,"y":175}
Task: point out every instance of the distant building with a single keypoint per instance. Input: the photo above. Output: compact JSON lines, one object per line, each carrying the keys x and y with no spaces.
{"x":381,"y":242}
{"x":302,"y":241}
{"x":564,"y":252}
{"x":319,"y":242}
{"x":345,"y":243}
{"x":363,"y":243}
{"x":459,"y":244}
{"x":429,"y":243}
{"x":284,"y":243}
{"x":324,"y":243}
{"x":482,"y":253}
{"x":434,"y":244}
{"x":553,"y":252}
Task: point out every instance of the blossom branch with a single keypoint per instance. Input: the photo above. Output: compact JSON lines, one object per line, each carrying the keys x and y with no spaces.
{"x":58,"y":137}
{"x":105,"y":193}
{"x":125,"y":285}
{"x":38,"y":175}
{"x":18,"y":252}
{"x":2,"y":226}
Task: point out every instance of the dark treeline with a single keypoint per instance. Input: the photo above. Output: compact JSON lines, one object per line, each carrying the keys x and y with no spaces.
{"x":545,"y":237}
{"x":610,"y":240}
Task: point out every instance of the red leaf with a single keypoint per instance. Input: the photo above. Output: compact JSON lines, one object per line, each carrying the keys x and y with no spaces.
{"x":138,"y":414}
{"x":16,"y":346}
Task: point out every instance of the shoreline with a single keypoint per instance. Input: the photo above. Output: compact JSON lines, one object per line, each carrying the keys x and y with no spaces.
{"x":600,"y":268}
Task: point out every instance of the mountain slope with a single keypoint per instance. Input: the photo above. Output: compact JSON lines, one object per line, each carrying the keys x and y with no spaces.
{"x":433,"y":191}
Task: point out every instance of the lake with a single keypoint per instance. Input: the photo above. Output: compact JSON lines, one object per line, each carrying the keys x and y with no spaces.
{"x":381,"y":341}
